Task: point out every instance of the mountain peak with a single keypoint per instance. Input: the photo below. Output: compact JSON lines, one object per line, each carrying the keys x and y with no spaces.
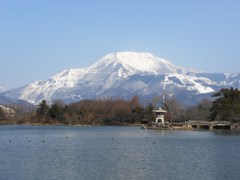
{"x":137,"y":61}
{"x":124,"y":74}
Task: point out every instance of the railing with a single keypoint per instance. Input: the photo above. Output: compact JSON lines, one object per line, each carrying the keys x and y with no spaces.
{"x":208,"y":122}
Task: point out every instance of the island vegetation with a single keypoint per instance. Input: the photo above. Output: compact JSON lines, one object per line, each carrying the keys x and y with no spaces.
{"x":225,"y":105}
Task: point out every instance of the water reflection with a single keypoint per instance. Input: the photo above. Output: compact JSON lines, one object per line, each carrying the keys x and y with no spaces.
{"x":227,"y":132}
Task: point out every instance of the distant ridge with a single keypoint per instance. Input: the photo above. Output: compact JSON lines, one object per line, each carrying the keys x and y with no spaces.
{"x":125,"y":74}
{"x":7,"y":101}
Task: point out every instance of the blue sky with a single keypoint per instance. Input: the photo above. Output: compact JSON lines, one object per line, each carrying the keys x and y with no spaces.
{"x":40,"y":38}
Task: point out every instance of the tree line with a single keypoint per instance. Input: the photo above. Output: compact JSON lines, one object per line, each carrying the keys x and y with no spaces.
{"x":225,"y":105}
{"x":112,"y":111}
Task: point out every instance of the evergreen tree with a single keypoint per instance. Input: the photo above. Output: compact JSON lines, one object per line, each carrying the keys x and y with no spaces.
{"x":57,"y":110}
{"x":2,"y":114}
{"x":149,"y":111}
{"x":226,"y":105}
{"x":42,"y":109}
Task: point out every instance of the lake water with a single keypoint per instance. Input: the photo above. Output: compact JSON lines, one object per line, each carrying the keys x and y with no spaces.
{"x":58,"y":152}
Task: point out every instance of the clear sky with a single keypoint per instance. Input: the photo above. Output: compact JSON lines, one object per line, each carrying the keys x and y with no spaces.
{"x":40,"y":38}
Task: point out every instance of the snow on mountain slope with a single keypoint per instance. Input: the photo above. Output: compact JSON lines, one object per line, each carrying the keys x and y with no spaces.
{"x":67,"y":78}
{"x":121,"y":74}
{"x":4,"y":88}
{"x":232,"y":79}
{"x":136,"y":63}
{"x":198,"y":84}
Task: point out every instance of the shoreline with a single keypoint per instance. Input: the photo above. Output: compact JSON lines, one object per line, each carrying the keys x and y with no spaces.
{"x":142,"y":126}
{"x":7,"y":122}
{"x":185,"y":128}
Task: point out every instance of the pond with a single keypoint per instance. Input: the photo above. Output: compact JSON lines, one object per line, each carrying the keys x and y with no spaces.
{"x":116,"y":152}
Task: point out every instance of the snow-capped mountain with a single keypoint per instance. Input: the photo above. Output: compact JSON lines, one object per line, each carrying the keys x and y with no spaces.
{"x":4,"y":88}
{"x":125,"y":74}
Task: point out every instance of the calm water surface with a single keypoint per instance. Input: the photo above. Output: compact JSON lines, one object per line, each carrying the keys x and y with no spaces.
{"x":39,"y":152}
